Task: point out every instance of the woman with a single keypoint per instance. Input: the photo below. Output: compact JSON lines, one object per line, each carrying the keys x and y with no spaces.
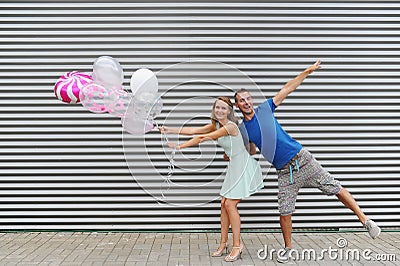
{"x":243,"y":176}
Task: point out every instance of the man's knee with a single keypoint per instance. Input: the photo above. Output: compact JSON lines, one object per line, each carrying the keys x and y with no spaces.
{"x":286,"y":217}
{"x":342,"y":191}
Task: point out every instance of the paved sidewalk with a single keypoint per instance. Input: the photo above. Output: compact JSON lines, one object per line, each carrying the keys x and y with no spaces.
{"x":81,"y":248}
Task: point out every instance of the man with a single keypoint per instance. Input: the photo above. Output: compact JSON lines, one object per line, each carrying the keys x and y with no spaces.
{"x":296,"y":167}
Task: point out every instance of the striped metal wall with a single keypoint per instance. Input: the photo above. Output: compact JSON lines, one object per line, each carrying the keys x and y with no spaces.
{"x":62,"y":167}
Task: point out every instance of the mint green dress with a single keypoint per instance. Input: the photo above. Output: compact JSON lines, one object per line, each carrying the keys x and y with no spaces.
{"x":243,"y":175}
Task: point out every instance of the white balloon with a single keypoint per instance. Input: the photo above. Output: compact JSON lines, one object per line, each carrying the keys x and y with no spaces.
{"x":157,"y":108}
{"x":144,"y":103}
{"x":144,"y":80}
{"x":108,"y":72}
{"x":135,"y":125}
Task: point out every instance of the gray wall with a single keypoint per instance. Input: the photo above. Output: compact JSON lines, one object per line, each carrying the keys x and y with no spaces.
{"x":62,"y":167}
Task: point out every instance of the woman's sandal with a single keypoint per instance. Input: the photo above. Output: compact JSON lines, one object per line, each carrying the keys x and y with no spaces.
{"x":219,"y":251}
{"x":231,"y":258}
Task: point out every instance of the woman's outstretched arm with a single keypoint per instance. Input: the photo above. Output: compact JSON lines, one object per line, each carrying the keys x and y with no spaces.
{"x":187,"y":130}
{"x":228,"y":129}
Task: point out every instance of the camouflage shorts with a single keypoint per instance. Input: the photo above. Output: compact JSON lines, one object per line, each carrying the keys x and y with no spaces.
{"x":308,"y":174}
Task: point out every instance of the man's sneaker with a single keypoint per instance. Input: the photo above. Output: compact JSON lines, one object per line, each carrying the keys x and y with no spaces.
{"x":373,"y":229}
{"x":283,"y":255}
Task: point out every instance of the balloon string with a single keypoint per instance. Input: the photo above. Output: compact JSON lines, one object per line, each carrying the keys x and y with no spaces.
{"x":171,"y":169}
{"x":171,"y":166}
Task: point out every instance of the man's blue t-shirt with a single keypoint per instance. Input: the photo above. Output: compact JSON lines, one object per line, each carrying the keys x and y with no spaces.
{"x":277,"y":146}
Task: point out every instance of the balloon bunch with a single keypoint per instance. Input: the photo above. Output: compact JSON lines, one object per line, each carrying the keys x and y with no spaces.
{"x":103,"y":92}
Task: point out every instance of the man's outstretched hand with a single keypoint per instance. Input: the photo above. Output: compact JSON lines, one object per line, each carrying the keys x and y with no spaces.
{"x":315,"y":66}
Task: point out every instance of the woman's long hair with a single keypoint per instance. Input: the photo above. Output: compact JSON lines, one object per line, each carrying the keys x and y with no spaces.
{"x":231,"y":115}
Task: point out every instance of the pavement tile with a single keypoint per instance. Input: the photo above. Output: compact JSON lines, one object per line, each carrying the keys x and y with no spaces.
{"x":92,"y":248}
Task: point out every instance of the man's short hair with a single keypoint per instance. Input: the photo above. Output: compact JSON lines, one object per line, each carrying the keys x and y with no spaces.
{"x":241,"y":90}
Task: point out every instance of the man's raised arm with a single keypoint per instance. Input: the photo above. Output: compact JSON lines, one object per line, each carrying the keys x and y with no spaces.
{"x":294,"y":83}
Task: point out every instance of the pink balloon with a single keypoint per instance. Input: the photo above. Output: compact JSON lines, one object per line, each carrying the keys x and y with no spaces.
{"x":68,"y":86}
{"x":119,"y":102}
{"x":95,"y":98}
